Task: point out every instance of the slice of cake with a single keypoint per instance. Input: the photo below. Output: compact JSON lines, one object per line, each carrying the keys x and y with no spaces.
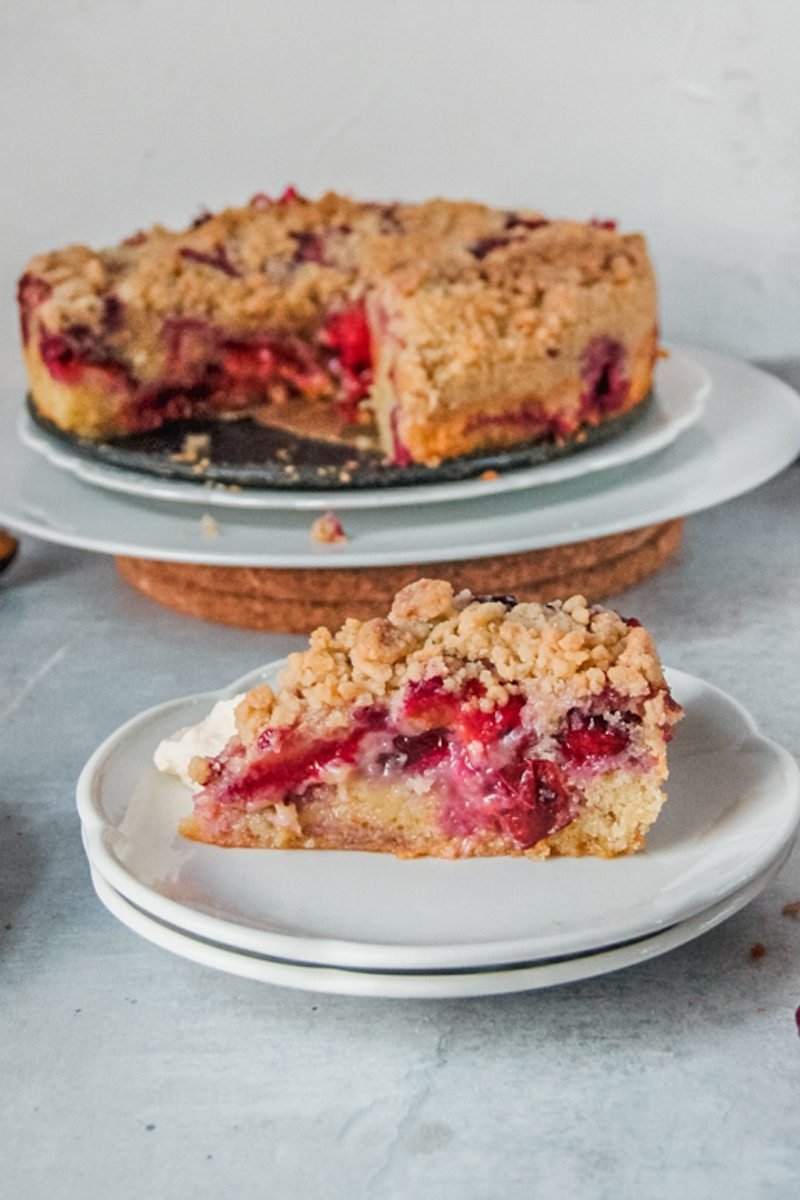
{"x":443,"y":328}
{"x":456,"y":726}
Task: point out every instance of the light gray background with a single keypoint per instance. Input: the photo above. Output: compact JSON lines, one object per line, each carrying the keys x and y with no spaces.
{"x":126,"y":1072}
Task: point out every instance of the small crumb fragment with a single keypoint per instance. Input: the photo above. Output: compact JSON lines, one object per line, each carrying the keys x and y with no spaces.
{"x":758,"y":950}
{"x":488,"y":476}
{"x":328,"y":529}
{"x":791,"y":910}
{"x":209,"y":526}
{"x":194,"y":449}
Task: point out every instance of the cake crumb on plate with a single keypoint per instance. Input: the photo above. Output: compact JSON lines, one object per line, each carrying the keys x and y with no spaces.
{"x":209,"y":526}
{"x":328,"y":529}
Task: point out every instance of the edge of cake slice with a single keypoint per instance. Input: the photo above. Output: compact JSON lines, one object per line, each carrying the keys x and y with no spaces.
{"x":455,"y":726}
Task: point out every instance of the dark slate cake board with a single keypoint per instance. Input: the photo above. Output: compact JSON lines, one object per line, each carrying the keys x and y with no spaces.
{"x":248,"y":454}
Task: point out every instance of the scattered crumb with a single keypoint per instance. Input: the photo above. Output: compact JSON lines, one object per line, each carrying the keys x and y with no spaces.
{"x":282,"y":454}
{"x":201,"y":466}
{"x":194,"y":449}
{"x":209,"y":526}
{"x":791,"y":910}
{"x":761,"y":1010}
{"x":487,"y":476}
{"x":662,"y":353}
{"x":328,"y":529}
{"x":758,"y":951}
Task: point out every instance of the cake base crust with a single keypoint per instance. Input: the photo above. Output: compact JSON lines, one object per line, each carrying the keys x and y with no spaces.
{"x":617,"y":815}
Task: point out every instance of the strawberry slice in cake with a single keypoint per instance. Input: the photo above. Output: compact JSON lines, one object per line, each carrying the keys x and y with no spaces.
{"x":459,"y":725}
{"x":440,"y":329}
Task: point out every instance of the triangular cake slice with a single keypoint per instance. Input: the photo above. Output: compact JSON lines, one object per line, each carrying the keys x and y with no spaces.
{"x":458,"y":725}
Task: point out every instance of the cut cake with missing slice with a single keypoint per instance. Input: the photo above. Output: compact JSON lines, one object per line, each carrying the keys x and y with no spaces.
{"x":443,"y":328}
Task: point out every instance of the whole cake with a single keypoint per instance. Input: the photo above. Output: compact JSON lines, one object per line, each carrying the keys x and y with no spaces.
{"x":458,"y":725}
{"x":441,"y":328}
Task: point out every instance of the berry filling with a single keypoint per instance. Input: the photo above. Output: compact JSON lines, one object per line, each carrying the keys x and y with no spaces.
{"x":486,"y":245}
{"x":590,"y":738}
{"x":206,"y":371}
{"x":218,"y":259}
{"x":346,"y":334}
{"x":606,"y":385}
{"x":515,"y":221}
{"x":401,"y":455}
{"x":487,"y":769}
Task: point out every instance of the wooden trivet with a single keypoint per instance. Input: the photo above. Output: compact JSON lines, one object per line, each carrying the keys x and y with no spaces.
{"x":296,"y":601}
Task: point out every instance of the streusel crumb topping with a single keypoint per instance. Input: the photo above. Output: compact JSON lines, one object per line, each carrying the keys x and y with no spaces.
{"x":564,"y":651}
{"x":509,"y":279}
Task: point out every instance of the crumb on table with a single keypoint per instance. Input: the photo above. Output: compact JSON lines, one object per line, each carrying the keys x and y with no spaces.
{"x":758,"y":950}
{"x":328,"y":529}
{"x":791,"y":910}
{"x":488,"y":476}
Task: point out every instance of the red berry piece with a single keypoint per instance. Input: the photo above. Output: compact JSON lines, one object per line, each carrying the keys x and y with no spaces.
{"x":486,"y":245}
{"x":590,"y":738}
{"x":218,"y":259}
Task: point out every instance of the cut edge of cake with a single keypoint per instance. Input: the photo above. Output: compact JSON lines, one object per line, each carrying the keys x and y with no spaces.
{"x":457,"y":726}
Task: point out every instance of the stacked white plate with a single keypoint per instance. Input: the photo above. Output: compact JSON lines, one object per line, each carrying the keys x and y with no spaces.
{"x":373,"y":925}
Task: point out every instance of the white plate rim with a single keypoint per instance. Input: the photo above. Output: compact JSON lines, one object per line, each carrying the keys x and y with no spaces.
{"x":332,"y":980}
{"x":679,"y":410}
{"x":338,"y":952}
{"x":730,"y":451}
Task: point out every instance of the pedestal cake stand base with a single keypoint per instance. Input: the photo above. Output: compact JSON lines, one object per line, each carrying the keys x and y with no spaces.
{"x":297,"y":600}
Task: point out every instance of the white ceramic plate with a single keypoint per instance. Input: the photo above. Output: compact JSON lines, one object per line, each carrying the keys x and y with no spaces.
{"x":432,"y":985}
{"x":734,"y":806}
{"x":733,"y":447}
{"x":681,"y":386}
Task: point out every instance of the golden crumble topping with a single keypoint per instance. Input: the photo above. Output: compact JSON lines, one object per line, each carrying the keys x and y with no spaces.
{"x":564,"y":652}
{"x":513,"y":278}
